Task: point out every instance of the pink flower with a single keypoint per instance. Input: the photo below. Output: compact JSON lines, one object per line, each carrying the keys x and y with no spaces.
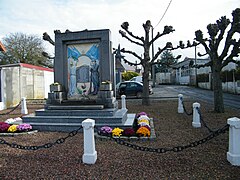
{"x":24,"y":127}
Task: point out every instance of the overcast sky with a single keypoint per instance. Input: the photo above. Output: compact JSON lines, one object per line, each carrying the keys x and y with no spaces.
{"x":186,"y":16}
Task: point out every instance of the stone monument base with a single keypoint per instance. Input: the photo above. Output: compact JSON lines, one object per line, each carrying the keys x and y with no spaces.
{"x":68,"y":118}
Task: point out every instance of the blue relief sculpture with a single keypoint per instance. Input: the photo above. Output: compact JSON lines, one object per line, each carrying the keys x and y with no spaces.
{"x":94,"y":68}
{"x":93,"y":54}
{"x":72,"y":81}
{"x":83,"y":78}
{"x":73,"y":55}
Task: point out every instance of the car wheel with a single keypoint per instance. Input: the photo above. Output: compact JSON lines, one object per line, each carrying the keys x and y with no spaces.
{"x":139,"y":94}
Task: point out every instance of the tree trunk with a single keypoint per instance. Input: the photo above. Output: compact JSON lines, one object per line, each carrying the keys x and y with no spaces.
{"x":145,"y":97}
{"x":217,"y":90}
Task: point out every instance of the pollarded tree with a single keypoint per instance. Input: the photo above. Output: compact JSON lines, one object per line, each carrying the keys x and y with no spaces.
{"x":145,"y":42}
{"x":218,"y":59}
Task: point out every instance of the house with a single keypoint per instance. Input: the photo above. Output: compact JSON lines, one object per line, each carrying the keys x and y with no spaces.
{"x":183,"y":72}
{"x":23,"y":80}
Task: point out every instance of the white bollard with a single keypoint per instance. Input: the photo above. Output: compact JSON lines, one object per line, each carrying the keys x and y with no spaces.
{"x":24,"y":109}
{"x":90,"y":154}
{"x":196,"y":116}
{"x":180,"y":104}
{"x":123,"y":101}
{"x":233,"y":154}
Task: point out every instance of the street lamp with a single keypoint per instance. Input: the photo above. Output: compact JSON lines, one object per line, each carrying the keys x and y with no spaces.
{"x":196,"y":81}
{"x":153,"y":66}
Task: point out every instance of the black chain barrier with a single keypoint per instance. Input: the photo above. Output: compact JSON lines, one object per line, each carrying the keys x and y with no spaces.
{"x":172,"y":149}
{"x":13,"y":109}
{"x":44,"y":146}
{"x":184,"y":108}
{"x":199,"y":112}
{"x":204,"y":123}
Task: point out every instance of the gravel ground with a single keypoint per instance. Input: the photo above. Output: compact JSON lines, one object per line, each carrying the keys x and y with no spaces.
{"x":114,"y":161}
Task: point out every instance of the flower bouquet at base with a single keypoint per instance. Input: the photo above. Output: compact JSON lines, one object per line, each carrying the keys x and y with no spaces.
{"x":4,"y":127}
{"x":117,"y":132}
{"x":24,"y":127}
{"x":143,"y":132}
{"x":141,"y":114}
{"x":105,"y":131}
{"x":129,"y":132}
{"x":12,"y":128}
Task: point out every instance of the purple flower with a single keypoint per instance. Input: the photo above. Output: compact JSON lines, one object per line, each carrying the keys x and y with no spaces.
{"x":106,"y":130}
{"x":141,"y":114}
{"x":4,"y":126}
{"x":24,"y":127}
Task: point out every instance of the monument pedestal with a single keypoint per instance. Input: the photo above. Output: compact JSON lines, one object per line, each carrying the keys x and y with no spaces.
{"x":67,"y":118}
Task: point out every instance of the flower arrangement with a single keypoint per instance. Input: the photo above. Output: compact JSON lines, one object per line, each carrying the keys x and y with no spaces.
{"x":24,"y":127}
{"x":117,"y":132}
{"x":141,"y":114}
{"x":143,"y":125}
{"x":12,"y":128}
{"x":13,"y":120}
{"x":143,"y":131}
{"x":106,"y":130}
{"x":4,"y":126}
{"x":129,"y":132}
{"x":141,"y":128}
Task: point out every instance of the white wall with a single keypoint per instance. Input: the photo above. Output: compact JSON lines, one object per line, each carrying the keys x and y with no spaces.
{"x":231,"y":87}
{"x":48,"y":79}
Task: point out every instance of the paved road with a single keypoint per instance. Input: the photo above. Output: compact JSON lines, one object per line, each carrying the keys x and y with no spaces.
{"x":172,"y":91}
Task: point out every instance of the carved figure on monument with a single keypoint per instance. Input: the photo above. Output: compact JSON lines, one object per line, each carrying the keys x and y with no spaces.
{"x":95,"y":76}
{"x":72,"y":81}
{"x":73,"y":55}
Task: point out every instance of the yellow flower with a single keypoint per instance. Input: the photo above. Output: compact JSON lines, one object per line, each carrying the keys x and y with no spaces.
{"x":143,"y":120}
{"x":12,"y":128}
{"x":117,"y":132}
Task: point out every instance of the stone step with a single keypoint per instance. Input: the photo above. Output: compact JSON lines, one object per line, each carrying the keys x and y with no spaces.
{"x":73,"y":119}
{"x":104,"y":112}
{"x":75,"y":107}
{"x":68,"y":127}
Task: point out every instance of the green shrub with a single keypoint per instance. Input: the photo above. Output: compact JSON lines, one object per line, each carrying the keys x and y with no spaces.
{"x":129,"y":75}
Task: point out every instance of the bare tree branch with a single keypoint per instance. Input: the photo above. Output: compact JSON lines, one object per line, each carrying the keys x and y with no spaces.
{"x":132,"y":53}
{"x":130,"y":63}
{"x":235,"y":53}
{"x":199,"y":54}
{"x":125,"y":27}
{"x":167,"y":30}
{"x":168,"y":45}
{"x":228,"y":43}
{"x":222,"y":23}
{"x":199,"y":38}
{"x":46,"y":37}
{"x":132,"y":41}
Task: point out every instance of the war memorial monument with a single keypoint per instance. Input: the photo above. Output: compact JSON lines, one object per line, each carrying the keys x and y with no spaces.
{"x":84,"y":84}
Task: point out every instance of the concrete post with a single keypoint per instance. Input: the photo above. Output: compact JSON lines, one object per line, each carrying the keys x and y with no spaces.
{"x":233,"y":154}
{"x":24,"y":109}
{"x":180,"y":104}
{"x":196,"y":116}
{"x":90,"y":154}
{"x":123,"y":101}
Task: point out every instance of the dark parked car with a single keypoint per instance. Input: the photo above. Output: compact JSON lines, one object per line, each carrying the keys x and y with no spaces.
{"x":131,"y":88}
